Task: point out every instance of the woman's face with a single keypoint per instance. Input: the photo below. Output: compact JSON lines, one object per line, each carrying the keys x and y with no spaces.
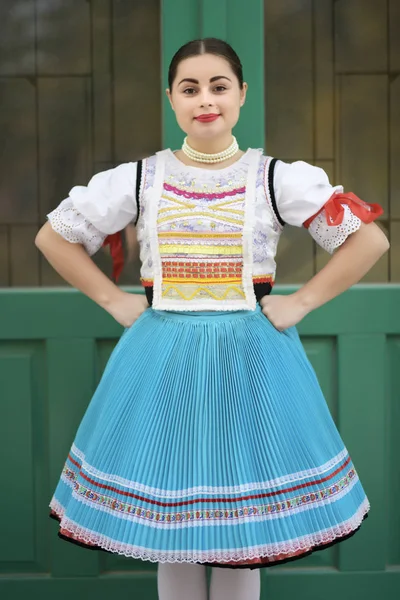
{"x":206,"y":85}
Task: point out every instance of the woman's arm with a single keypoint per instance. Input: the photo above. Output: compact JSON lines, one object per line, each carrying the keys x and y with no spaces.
{"x":74,"y":265}
{"x":351,"y":261}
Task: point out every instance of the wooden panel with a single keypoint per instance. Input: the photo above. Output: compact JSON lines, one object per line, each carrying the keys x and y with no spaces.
{"x":250,"y":129}
{"x":363,"y":117}
{"x":289,"y":79}
{"x":65,"y":139}
{"x":18,"y":152}
{"x":17,"y":41}
{"x":69,"y":397}
{"x":23,"y":444}
{"x":295,"y":256}
{"x":102,"y":83}
{"x":24,"y":255}
{"x":395,"y":252}
{"x":63,"y":30}
{"x":362,"y":402}
{"x":179,"y":24}
{"x":218,"y":25}
{"x":15,"y":376}
{"x":323,"y":55}
{"x":393,"y":471}
{"x":360,"y":43}
{"x":394,"y":37}
{"x":4,"y":257}
{"x":136,"y":64}
{"x":395,"y":148}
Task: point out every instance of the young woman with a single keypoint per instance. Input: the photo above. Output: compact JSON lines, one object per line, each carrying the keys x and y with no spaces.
{"x":208,"y":440}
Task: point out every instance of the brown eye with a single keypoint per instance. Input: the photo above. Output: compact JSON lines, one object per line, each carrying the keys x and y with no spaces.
{"x":189,"y":90}
{"x":220,"y":87}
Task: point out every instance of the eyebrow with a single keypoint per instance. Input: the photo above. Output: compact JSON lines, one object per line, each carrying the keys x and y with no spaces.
{"x":211,"y":80}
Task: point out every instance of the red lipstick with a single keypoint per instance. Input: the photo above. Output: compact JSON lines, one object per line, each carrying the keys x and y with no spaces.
{"x":207,"y":118}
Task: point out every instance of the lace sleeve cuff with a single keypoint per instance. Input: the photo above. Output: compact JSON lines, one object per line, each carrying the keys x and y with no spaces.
{"x":75,"y":228}
{"x":329,"y":237}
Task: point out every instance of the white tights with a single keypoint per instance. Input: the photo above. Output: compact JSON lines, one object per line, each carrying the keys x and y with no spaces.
{"x":186,"y":581}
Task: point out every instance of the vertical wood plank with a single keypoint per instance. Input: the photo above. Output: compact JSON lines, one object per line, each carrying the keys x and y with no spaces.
{"x":18,"y":152}
{"x":68,"y":399}
{"x":395,"y":252}
{"x":17,"y":410}
{"x":360,"y":36}
{"x":363,"y":117}
{"x":324,"y":79}
{"x":295,"y":256}
{"x":393,"y":428}
{"x":4,"y":257}
{"x":64,"y":37}
{"x":214,"y":18}
{"x":102,"y":82}
{"x":24,"y":256}
{"x":362,"y":381}
{"x":179,"y":24}
{"x":394,"y":37}
{"x":395,"y":148}
{"x":250,"y":129}
{"x":136,"y":84}
{"x":17,"y":37}
{"x":64,"y":138}
{"x":289,"y":79}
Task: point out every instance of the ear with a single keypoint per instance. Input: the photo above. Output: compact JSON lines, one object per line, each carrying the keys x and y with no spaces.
{"x":243,"y":93}
{"x":168,"y":93}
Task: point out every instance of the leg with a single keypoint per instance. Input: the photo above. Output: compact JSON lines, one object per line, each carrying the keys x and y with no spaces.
{"x":235,"y":584}
{"x":181,"y":581}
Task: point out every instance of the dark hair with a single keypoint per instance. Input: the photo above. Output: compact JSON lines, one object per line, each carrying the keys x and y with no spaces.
{"x":206,"y":46}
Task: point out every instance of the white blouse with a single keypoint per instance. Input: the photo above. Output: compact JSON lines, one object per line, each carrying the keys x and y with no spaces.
{"x":107,"y":205}
{"x":207,"y":238}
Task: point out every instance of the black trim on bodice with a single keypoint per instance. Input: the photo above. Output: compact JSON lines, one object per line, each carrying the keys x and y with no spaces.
{"x":272,"y":191}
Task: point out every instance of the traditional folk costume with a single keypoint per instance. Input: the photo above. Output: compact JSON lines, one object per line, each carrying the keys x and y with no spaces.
{"x":208,"y":439}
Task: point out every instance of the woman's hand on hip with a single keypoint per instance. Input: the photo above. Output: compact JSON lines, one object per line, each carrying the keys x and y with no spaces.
{"x":126,"y":308}
{"x":283,"y":311}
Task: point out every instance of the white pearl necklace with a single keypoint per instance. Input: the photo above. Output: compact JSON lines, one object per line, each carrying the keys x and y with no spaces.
{"x":210,"y":158}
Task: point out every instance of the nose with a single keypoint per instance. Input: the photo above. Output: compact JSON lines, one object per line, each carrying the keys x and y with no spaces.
{"x":206,"y":98}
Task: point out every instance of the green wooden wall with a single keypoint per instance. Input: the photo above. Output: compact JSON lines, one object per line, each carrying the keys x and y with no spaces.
{"x":54,"y":345}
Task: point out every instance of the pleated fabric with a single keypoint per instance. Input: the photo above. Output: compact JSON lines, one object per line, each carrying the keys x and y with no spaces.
{"x":208,"y":440}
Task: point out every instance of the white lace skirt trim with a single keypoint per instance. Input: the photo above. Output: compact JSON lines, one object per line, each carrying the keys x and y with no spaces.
{"x":289,"y":547}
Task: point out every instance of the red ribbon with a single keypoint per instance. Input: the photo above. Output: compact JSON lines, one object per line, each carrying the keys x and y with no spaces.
{"x":117,"y":253}
{"x":334,"y":211}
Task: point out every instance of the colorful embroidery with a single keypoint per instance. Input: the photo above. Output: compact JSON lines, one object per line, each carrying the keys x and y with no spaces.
{"x":86,"y":488}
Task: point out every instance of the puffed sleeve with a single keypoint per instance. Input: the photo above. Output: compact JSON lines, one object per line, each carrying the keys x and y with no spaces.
{"x":94,"y":215}
{"x":305,"y":197}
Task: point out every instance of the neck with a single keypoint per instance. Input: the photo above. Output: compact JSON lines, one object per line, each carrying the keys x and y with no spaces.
{"x":210,"y":146}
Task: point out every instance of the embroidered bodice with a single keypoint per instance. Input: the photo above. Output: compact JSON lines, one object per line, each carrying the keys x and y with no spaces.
{"x":207,"y":238}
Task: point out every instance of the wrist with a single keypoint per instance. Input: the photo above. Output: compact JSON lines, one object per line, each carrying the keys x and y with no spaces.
{"x":306,"y":299}
{"x":108,"y":297}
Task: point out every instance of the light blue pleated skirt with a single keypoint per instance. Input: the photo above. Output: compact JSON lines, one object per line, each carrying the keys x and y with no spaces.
{"x":208,"y":440}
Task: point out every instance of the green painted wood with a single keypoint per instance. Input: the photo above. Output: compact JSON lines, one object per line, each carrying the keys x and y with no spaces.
{"x":54,"y":346}
{"x":310,"y":585}
{"x":71,"y":383}
{"x":392,"y":468}
{"x":23,"y":448}
{"x":37,"y":313}
{"x":362,"y":383}
{"x":183,"y":21}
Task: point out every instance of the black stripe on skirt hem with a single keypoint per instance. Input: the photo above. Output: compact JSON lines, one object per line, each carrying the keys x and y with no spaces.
{"x":223,"y":566}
